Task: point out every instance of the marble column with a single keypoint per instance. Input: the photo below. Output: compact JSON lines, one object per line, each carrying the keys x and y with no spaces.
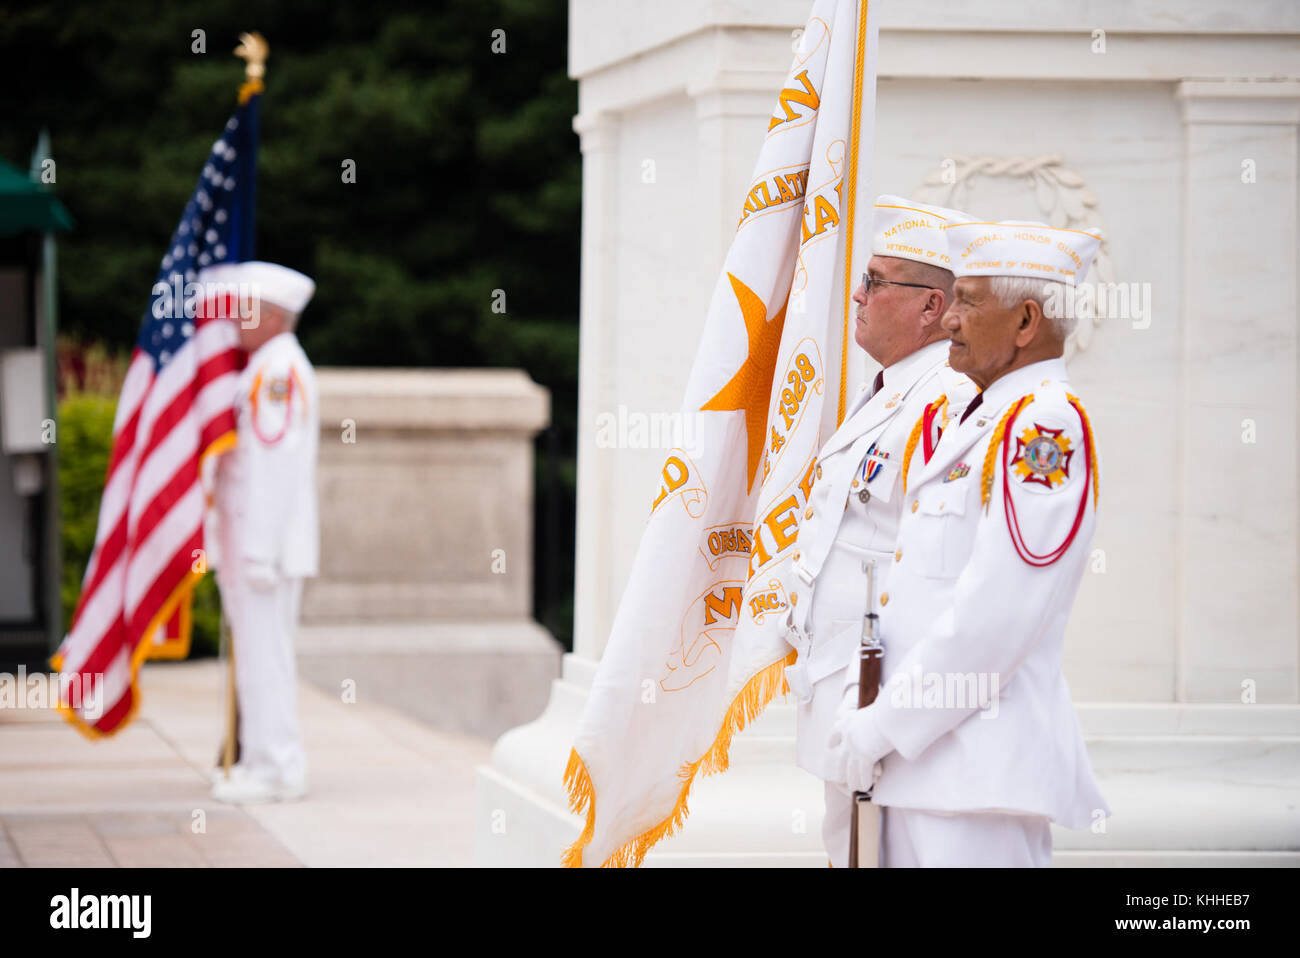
{"x":1236,"y":475}
{"x":593,"y":591}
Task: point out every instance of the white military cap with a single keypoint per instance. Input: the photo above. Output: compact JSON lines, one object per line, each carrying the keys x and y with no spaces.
{"x":1021,"y":248}
{"x":915,"y":231}
{"x":269,"y":282}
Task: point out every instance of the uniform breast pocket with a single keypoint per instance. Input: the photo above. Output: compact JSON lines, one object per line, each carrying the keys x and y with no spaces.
{"x":882,"y":477}
{"x":936,"y":536}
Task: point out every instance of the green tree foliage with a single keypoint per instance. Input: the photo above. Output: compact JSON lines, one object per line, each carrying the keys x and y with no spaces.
{"x":85,"y":438}
{"x":467,"y":174}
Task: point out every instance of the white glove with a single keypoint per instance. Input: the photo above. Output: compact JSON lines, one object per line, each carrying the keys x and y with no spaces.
{"x":260,"y":575}
{"x":856,"y":750}
{"x":849,"y":768}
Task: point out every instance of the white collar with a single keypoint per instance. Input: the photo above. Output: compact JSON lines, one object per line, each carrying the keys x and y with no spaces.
{"x":902,"y":374}
{"x":1011,"y":386}
{"x":266,"y":347}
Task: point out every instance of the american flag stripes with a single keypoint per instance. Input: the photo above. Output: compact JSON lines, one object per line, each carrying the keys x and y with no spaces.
{"x":174,"y":415}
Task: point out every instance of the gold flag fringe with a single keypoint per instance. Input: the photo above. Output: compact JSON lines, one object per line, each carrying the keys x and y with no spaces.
{"x":183,"y":593}
{"x":581,"y":795}
{"x":748,"y":704}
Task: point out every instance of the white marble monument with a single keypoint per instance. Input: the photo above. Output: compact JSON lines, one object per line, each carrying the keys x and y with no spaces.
{"x":1172,"y":127}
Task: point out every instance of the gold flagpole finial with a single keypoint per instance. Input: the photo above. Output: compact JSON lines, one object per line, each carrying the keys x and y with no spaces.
{"x":253,"y":49}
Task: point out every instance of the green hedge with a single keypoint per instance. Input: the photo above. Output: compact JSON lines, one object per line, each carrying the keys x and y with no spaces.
{"x":85,"y":439}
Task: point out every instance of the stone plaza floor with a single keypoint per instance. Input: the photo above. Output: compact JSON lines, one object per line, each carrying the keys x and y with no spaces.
{"x":385,"y":789}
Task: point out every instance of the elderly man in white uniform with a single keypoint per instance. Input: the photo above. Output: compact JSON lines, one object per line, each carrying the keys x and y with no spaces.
{"x":856,"y":497}
{"x":979,"y":746}
{"x":266,"y":534}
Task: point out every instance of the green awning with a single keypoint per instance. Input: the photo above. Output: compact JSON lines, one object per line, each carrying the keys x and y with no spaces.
{"x":26,"y":207}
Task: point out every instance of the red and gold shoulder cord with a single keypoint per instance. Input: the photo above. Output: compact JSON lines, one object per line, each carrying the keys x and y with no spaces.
{"x":924,"y":430}
{"x":288,"y":407}
{"x":1002,"y":438}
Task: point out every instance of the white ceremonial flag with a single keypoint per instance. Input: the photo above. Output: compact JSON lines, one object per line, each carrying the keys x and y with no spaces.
{"x":696,"y":650}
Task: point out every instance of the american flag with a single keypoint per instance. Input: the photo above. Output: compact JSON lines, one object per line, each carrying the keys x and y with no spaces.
{"x":175,"y":414}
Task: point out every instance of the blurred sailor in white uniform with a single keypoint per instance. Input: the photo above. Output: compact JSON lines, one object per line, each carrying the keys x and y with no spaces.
{"x":266,"y":533}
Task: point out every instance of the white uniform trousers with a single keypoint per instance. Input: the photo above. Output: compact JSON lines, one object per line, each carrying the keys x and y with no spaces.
{"x":918,"y":838}
{"x":263,"y":624}
{"x":836,"y":822}
{"x":837,"y":601}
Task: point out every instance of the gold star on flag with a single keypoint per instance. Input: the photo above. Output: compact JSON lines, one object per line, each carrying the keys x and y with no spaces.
{"x":750,"y":389}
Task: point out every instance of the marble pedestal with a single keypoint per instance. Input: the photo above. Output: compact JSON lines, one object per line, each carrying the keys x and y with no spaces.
{"x":424,"y":598}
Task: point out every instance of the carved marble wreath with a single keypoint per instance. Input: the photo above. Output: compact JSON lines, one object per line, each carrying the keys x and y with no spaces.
{"x":1063,"y":198}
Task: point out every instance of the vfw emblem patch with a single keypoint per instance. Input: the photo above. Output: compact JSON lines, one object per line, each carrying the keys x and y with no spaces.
{"x":1043,"y":456}
{"x":278,"y":390}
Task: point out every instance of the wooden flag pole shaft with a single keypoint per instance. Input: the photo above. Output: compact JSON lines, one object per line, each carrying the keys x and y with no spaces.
{"x":229,"y":752}
{"x":870,"y":653}
{"x":232,"y":722}
{"x":253,"y":50}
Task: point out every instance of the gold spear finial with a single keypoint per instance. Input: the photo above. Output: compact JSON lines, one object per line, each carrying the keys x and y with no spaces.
{"x":253,"y":49}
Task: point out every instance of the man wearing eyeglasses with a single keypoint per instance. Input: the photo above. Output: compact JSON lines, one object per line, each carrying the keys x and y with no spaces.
{"x":857,"y":496}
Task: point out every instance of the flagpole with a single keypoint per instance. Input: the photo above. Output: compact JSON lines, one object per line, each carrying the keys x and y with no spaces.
{"x":851,"y":204}
{"x":253,"y":50}
{"x":216,"y":221}
{"x":232,"y":708}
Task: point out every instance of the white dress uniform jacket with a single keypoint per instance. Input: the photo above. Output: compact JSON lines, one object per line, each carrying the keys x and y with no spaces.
{"x":852,"y":516}
{"x":982,"y":593}
{"x":266,"y":487}
{"x":268,"y":542}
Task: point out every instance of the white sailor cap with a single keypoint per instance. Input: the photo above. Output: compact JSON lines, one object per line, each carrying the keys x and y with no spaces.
{"x":908,"y":230}
{"x":268,"y":282}
{"x":1022,"y":248}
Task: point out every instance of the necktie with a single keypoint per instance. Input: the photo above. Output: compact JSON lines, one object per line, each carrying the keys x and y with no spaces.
{"x":974,"y":404}
{"x":879,"y":383}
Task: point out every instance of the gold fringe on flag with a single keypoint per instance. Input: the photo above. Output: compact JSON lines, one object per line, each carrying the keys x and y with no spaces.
{"x":175,"y":646}
{"x":141,"y":651}
{"x":249,"y":89}
{"x":744,"y":709}
{"x":183,"y":593}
